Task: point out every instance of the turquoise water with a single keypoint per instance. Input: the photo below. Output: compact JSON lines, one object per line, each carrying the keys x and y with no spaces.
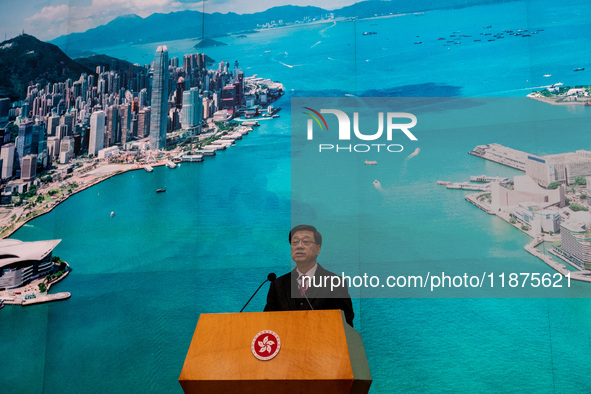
{"x":141,"y":279}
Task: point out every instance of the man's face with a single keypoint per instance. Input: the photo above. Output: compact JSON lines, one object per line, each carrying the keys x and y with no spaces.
{"x":303,"y":247}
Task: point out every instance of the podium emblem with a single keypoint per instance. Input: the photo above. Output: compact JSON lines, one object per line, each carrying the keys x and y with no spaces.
{"x":265,"y":345}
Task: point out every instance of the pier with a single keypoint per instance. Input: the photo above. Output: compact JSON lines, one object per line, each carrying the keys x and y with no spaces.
{"x":205,"y":152}
{"x":46,"y":298}
{"x":192,"y":158}
{"x":501,"y":154}
{"x":215,"y":147}
{"x":468,"y":186}
{"x":489,"y":179}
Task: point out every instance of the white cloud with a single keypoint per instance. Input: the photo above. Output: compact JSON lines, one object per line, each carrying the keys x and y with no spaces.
{"x":50,"y":21}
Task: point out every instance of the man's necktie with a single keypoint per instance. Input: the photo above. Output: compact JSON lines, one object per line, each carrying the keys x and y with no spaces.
{"x":303,"y":284}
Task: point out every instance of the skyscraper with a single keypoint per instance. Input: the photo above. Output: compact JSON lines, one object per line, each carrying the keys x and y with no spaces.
{"x":112,"y":129}
{"x":23,"y":143}
{"x":158,"y":121}
{"x":7,"y":156}
{"x":192,"y":112}
{"x":143,"y":123}
{"x":97,"y":132}
{"x":52,"y":124}
{"x":29,"y":167}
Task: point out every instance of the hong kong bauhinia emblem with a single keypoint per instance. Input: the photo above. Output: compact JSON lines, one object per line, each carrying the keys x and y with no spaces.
{"x":265,"y":345}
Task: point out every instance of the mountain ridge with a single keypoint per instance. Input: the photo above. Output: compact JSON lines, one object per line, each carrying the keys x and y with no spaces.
{"x":25,"y":59}
{"x":188,"y":24}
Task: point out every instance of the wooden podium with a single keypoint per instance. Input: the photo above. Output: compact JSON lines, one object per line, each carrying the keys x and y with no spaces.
{"x":319,"y":353}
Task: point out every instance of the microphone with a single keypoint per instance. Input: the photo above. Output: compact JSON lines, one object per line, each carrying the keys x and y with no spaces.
{"x":270,"y":278}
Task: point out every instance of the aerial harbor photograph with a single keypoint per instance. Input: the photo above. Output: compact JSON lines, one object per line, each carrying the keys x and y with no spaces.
{"x":155,"y":155}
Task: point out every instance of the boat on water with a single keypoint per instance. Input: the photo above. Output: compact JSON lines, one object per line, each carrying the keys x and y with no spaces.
{"x":370,"y":162}
{"x":414,"y":153}
{"x":160,"y":190}
{"x":547,"y":75}
{"x":369,"y":33}
{"x":579,"y":69}
{"x":112,"y":214}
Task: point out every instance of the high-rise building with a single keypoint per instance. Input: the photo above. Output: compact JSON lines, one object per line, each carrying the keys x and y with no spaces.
{"x":143,"y":123}
{"x":29,"y":167}
{"x":23,"y":142}
{"x":133,"y":129}
{"x":142,"y":98}
{"x":66,"y":150}
{"x":7,"y":156}
{"x":97,"y":132}
{"x":159,"y":121}
{"x":180,"y":88}
{"x":53,"y":147}
{"x":192,"y":112}
{"x":61,"y":131}
{"x":112,"y":129}
{"x":77,"y":143}
{"x":38,"y":140}
{"x":125,"y":121}
{"x":52,"y":123}
{"x":68,"y":120}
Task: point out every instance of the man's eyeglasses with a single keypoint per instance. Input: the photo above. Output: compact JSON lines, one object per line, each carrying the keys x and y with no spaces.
{"x":305,"y":242}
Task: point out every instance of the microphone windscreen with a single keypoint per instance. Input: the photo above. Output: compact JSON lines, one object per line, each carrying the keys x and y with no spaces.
{"x":271,"y":277}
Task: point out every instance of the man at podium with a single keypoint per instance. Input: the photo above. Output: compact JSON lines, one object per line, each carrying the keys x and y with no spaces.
{"x":308,"y":285}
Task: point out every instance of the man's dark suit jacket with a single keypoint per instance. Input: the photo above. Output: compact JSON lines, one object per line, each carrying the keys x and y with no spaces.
{"x":284,"y":295}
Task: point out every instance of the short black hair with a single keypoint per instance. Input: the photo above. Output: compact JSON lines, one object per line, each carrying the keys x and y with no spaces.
{"x":305,"y":227}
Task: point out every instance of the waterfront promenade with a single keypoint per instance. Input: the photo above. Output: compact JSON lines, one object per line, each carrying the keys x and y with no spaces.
{"x":561,"y":100}
{"x":84,"y":176}
{"x":530,"y":247}
{"x":15,"y":218}
{"x":30,"y":294}
{"x":90,"y":173}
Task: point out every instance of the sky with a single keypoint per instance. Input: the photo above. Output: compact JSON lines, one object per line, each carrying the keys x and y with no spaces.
{"x":49,"y":19}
